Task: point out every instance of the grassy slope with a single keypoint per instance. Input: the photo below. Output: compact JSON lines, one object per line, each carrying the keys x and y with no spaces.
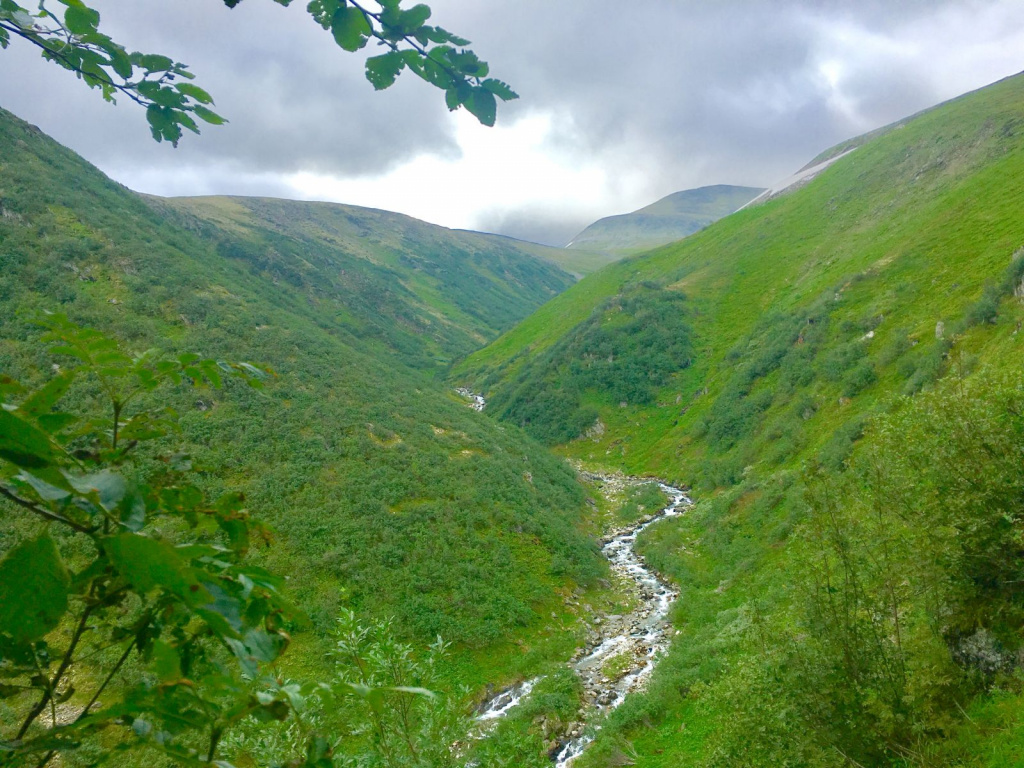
{"x":576,"y":261}
{"x":903,"y":233}
{"x":458,"y":288}
{"x":388,"y":493}
{"x":671,"y":218}
{"x":909,"y":227}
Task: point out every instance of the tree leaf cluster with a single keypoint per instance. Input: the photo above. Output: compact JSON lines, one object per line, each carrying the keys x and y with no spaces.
{"x":140,"y":570}
{"x":70,"y":37}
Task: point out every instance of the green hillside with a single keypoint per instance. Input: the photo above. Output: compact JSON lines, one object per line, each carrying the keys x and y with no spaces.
{"x":667,"y":220}
{"x":837,"y":373}
{"x":576,"y":261}
{"x":388,"y":494}
{"x":450,"y":290}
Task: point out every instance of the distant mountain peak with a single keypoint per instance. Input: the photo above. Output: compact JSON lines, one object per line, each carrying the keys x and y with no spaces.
{"x":671,"y":218}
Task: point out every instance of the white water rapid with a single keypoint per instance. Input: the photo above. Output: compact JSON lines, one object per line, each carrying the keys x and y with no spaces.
{"x":477,"y":402}
{"x":623,"y":650}
{"x":634,"y":641}
{"x":638,"y":638}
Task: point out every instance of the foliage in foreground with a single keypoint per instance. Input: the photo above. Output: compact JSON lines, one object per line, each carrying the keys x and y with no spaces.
{"x":144,"y":573}
{"x":891,"y":619}
{"x":909,"y":596}
{"x":387,"y":494}
{"x":71,"y":38}
{"x":131,"y":616}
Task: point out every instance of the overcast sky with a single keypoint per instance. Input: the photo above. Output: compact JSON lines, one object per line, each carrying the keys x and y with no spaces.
{"x":622,"y":102}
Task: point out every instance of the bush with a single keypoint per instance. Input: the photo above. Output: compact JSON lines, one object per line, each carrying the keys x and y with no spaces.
{"x":859,"y":378}
{"x":626,"y":351}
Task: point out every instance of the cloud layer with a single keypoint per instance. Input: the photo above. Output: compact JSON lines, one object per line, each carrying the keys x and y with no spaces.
{"x":622,"y":103}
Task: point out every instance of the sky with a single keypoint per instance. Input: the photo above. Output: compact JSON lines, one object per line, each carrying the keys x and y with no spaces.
{"x":621,"y":102}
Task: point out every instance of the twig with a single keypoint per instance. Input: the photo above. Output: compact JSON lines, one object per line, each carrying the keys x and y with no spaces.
{"x":43,"y":512}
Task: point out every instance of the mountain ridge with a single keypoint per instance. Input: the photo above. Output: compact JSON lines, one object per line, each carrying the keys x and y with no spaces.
{"x":670,"y":218}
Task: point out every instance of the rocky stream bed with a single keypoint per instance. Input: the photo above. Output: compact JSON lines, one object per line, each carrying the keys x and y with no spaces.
{"x":621,"y":651}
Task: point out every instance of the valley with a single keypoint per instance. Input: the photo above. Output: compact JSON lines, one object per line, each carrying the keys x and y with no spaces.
{"x":451,"y":438}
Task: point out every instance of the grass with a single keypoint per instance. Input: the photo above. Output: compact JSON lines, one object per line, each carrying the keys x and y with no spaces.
{"x":910,"y":230}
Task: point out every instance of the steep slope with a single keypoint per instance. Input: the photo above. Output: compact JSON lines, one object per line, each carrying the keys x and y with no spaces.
{"x":389,"y":495}
{"x":575,"y":261}
{"x":669,"y":219}
{"x":906,"y":231}
{"x":802,"y":323}
{"x":424,"y":290}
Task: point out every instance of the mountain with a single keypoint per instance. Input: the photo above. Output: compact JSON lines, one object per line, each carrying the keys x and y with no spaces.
{"x":427,"y":292}
{"x":836,"y":373}
{"x":669,"y":219}
{"x":388,"y":494}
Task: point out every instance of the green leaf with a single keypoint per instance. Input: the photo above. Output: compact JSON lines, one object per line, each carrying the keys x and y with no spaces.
{"x":148,"y":564}
{"x":466,"y":62}
{"x":194,"y":92}
{"x":33,"y":589}
{"x":43,"y":399}
{"x":153,"y":62}
{"x":208,"y":115}
{"x":47,"y":491}
{"x":264,"y":646}
{"x":413,"y":691}
{"x":237,"y":531}
{"x":502,"y":90}
{"x":119,"y":61}
{"x":323,"y":11}
{"x":414,"y":18}
{"x":52,"y":423}
{"x":350,"y":28}
{"x":23,"y":444}
{"x":212,"y":373}
{"x":133,"y":511}
{"x":483,"y":106}
{"x":166,"y":661}
{"x":451,"y":98}
{"x":81,"y":20}
{"x":161,"y":121}
{"x":382,"y":71}
{"x":109,"y":487}
{"x":440,"y":35}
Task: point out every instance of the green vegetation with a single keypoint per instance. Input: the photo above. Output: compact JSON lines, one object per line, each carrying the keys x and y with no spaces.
{"x":849,"y":418}
{"x":836,"y":372}
{"x":125,"y":587}
{"x":624,"y":352}
{"x":527,"y":736}
{"x":386,"y":495}
{"x":384,"y":280}
{"x":639,"y":502}
{"x":667,"y":220}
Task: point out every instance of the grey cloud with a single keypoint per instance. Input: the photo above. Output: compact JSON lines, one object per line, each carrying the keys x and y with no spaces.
{"x":684,"y":92}
{"x":295,"y":102}
{"x":700,"y":93}
{"x":534,"y":224}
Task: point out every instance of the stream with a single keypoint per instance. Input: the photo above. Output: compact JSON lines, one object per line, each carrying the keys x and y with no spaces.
{"x":621,"y":651}
{"x":476,"y":402}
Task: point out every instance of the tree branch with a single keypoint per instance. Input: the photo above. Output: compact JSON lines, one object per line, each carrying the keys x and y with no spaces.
{"x":43,"y":512}
{"x":55,"y":681}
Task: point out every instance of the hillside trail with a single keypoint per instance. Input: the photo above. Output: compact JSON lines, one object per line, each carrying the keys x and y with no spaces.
{"x":621,"y":651}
